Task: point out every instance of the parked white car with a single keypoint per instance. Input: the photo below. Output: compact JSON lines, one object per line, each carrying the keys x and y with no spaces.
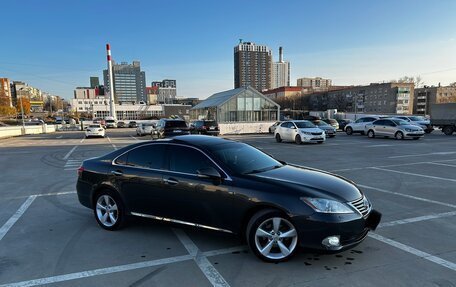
{"x":359,"y":125}
{"x":299,"y":132}
{"x":144,"y":128}
{"x":393,"y":127}
{"x":95,"y":130}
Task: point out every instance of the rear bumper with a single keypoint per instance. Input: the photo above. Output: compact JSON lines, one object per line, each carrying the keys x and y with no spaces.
{"x":351,"y":228}
{"x":84,"y":191}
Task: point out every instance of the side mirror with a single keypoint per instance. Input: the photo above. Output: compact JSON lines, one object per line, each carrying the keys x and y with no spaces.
{"x":210,"y":172}
{"x":293,"y":127}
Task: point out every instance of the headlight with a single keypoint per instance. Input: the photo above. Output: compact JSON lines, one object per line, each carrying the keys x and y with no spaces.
{"x":326,"y":206}
{"x":408,"y":130}
{"x":307,"y":133}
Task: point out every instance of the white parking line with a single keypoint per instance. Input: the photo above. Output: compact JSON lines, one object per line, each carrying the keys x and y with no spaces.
{"x":415,"y":174}
{"x":379,"y":145}
{"x":134,"y":138}
{"x":7,"y":226}
{"x":118,"y":268}
{"x":69,"y":153}
{"x":113,"y":145}
{"x":394,"y":165}
{"x":442,"y":164}
{"x":83,"y":139}
{"x":414,"y":251}
{"x":417,"y":219}
{"x":203,"y":263}
{"x":423,"y":154}
{"x":408,"y":196}
{"x":59,"y":137}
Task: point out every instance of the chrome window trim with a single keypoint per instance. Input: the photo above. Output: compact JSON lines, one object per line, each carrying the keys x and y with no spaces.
{"x":179,"y":222}
{"x":113,"y":162}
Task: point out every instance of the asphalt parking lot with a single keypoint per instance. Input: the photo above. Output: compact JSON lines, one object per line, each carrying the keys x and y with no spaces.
{"x":48,"y":238}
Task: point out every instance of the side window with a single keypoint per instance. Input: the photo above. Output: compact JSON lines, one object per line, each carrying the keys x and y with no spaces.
{"x":284,"y":125}
{"x":150,"y":156}
{"x":187,"y":160}
{"x":359,"y":120}
{"x":122,"y":159}
{"x":379,"y":122}
{"x":390,"y":123}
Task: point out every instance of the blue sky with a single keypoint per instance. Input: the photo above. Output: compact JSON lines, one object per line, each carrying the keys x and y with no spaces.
{"x":58,"y":45}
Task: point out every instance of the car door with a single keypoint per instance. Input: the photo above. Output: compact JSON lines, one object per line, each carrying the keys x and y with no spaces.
{"x":390,"y":128}
{"x":191,"y":198}
{"x":379,"y":127}
{"x":138,"y":174}
{"x":358,"y":125}
{"x":287,"y":131}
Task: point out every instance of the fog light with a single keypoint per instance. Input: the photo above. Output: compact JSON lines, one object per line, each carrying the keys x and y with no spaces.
{"x":331,"y":241}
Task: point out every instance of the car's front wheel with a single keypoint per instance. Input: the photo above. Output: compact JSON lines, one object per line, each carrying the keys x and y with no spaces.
{"x":271,"y":236}
{"x":399,"y":136}
{"x":298,"y":139}
{"x":348,"y":130}
{"x":109,"y":211}
{"x":371,"y":134}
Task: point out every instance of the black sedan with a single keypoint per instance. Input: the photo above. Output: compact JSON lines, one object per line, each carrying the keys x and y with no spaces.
{"x":224,"y":185}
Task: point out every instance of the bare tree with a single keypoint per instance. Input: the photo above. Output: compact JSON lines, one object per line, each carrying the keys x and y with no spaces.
{"x":417,"y":81}
{"x":452,"y":84}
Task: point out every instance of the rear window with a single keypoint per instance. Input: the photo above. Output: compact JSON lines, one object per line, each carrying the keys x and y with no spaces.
{"x":175,"y":124}
{"x":94,"y":126}
{"x":110,"y":121}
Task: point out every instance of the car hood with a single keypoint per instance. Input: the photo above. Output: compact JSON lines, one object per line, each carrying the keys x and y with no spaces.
{"x":421,"y":123}
{"x":312,"y":182}
{"x":326,"y":128}
{"x":411,"y":126}
{"x":311,"y":130}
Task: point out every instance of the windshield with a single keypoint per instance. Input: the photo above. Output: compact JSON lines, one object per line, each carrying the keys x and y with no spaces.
{"x":244,"y":159}
{"x":110,"y":121}
{"x":175,"y":124}
{"x":401,"y":122}
{"x":304,"y":125}
{"x":417,"y":119}
{"x":94,"y":126}
{"x":321,"y":124}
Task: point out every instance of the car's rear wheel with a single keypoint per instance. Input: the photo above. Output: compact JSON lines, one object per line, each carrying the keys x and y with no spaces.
{"x":371,"y":134}
{"x":348,"y":130}
{"x":448,"y":130}
{"x":399,"y":136}
{"x":271,"y":236}
{"x":278,"y":138}
{"x":108,"y":210}
{"x":298,"y":139}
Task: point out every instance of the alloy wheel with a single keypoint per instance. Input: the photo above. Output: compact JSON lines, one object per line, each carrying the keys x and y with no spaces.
{"x":107,"y":211}
{"x":399,"y":136}
{"x":276,"y":238}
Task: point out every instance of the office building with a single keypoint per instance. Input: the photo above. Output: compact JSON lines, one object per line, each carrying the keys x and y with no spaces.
{"x":94,"y":82}
{"x":129,"y":82}
{"x":281,"y":92}
{"x":166,"y":91}
{"x":317,"y":84}
{"x":426,"y":96}
{"x":280,"y":72}
{"x":6,"y":98}
{"x":252,"y":66}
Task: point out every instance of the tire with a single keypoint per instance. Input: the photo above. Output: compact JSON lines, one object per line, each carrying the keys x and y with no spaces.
{"x":278,"y":138}
{"x":349,"y":131}
{"x":399,"y":136}
{"x":320,"y":142}
{"x":331,"y":136}
{"x":448,"y":130}
{"x":298,"y":139}
{"x":270,"y":131}
{"x":265,"y":236}
{"x":371,"y":134}
{"x":428,"y":131}
{"x":115,"y":219}
{"x":416,"y":138}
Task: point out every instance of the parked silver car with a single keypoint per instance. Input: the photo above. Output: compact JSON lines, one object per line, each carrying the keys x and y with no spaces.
{"x":396,"y":128}
{"x":420,"y":121}
{"x":144,"y":128}
{"x":299,"y":132}
{"x":329,"y":130}
{"x":359,"y":125}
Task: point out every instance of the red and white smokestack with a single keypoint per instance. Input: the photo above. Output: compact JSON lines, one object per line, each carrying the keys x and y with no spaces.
{"x":112,"y":107}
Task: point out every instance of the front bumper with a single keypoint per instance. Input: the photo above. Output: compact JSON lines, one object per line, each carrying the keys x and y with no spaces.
{"x":414,"y":134}
{"x":352,"y":229}
{"x":313,"y":138}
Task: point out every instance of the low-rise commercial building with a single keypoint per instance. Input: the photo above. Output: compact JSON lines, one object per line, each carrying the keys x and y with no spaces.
{"x":317,"y":83}
{"x":387,"y":98}
{"x":243,"y":104}
{"x":426,"y":96}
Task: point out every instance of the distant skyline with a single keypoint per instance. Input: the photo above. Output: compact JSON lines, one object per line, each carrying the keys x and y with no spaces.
{"x":58,"y":45}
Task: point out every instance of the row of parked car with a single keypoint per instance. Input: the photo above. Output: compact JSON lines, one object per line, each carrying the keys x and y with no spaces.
{"x":317,"y":130}
{"x":172,"y":127}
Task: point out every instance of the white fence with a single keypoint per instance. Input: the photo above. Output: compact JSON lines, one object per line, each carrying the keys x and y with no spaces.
{"x":6,"y":132}
{"x":244,"y":128}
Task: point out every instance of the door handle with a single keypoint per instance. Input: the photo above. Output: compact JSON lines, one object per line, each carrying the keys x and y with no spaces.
{"x":116,"y":172}
{"x":170,"y":181}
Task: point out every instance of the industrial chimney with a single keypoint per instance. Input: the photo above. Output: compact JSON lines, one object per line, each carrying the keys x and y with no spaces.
{"x":280,"y":55}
